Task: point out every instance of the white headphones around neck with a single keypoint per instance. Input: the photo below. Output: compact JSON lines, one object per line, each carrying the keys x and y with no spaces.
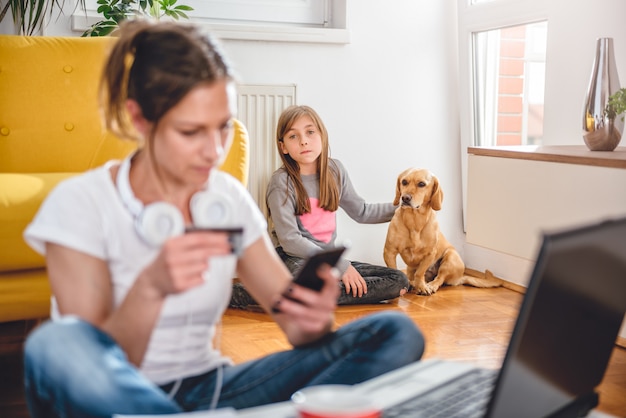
{"x":159,"y":221}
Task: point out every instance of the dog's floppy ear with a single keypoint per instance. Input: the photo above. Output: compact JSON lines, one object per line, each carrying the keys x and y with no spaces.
{"x":396,"y":201}
{"x":436,"y":196}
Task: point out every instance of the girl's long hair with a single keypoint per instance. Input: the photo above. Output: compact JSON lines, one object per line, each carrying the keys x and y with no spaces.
{"x":328,"y":172}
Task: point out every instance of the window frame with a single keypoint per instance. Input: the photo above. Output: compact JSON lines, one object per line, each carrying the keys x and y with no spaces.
{"x":290,"y":12}
{"x":480,"y":17}
{"x":270,"y":25}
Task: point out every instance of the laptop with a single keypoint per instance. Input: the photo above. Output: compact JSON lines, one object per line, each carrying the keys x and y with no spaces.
{"x":559,"y":349}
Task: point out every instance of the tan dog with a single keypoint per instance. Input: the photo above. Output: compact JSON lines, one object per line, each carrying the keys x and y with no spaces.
{"x":414,"y":234}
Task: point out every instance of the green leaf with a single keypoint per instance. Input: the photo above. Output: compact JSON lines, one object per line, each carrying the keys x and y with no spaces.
{"x":115,"y":11}
{"x":102,"y":28}
{"x":29,"y":15}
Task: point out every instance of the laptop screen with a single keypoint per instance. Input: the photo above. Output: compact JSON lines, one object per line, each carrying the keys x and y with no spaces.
{"x":567,"y":325}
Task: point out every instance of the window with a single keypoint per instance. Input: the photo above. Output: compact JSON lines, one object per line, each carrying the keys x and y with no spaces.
{"x":298,"y":12}
{"x":502,"y":50}
{"x":322,"y":21}
{"x":508,"y":85}
{"x":502,"y":67}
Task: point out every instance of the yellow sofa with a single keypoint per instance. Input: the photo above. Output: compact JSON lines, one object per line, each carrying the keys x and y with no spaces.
{"x":50,"y":129}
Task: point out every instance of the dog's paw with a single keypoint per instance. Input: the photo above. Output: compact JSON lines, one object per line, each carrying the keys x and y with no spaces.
{"x":427,"y":289}
{"x":433,"y":287}
{"x":423,"y":290}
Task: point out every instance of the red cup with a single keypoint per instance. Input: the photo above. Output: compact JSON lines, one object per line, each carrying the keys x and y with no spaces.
{"x":333,"y":401}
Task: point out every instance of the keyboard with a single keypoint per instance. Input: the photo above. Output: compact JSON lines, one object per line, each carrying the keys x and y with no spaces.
{"x":466,"y":397}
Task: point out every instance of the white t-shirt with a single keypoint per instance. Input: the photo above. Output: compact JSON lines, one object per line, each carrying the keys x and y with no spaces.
{"x":86,"y":213}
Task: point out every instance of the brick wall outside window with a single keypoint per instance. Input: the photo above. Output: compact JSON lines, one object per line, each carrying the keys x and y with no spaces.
{"x":511,"y":86}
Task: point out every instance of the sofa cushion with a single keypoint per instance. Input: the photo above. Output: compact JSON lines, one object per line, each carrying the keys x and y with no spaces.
{"x":53,"y":125}
{"x":20,"y":198}
{"x":237,"y":161}
{"x":24,"y":295}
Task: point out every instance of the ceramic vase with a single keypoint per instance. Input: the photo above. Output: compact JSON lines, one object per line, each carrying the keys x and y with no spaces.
{"x":601,"y":132}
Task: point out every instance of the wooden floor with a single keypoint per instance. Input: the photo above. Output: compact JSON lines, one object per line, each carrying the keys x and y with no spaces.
{"x":459,"y":323}
{"x":12,"y":404}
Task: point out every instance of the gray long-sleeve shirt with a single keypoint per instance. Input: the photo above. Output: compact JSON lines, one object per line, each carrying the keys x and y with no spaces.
{"x":302,"y":236}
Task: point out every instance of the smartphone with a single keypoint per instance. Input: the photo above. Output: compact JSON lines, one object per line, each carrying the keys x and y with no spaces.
{"x":307,"y":275}
{"x":235,"y":236}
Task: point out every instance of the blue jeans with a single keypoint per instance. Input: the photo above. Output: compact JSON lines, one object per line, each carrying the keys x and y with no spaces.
{"x":383,"y":283}
{"x":73,"y":369}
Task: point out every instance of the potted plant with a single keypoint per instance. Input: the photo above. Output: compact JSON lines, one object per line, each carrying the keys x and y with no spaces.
{"x":606,"y":134}
{"x":114,"y":11}
{"x":616,"y":105}
{"x":28,"y":15}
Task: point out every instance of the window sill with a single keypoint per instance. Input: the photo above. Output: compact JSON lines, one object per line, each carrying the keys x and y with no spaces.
{"x":568,"y":154}
{"x":246,"y":32}
{"x":278,"y":33}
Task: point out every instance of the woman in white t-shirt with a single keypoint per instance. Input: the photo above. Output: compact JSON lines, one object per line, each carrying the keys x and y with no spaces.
{"x":136,"y":300}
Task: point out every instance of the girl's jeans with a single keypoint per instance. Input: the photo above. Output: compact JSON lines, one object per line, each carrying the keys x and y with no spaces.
{"x":383,"y":283}
{"x":73,"y":369}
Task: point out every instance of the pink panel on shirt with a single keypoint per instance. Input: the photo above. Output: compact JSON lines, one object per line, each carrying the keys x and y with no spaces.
{"x":320,"y":222}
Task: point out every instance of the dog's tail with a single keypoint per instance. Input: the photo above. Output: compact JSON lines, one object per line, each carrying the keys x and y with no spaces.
{"x":488,"y":280}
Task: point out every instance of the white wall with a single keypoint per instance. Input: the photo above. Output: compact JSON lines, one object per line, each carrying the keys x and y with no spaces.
{"x":390,"y":97}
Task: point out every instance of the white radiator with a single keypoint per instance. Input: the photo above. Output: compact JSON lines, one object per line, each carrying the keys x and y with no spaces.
{"x":259,"y":107}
